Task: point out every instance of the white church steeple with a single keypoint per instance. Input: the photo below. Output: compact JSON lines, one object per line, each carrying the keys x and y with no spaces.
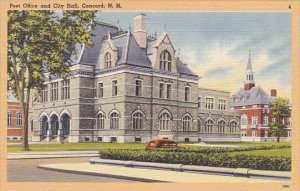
{"x":249,"y":82}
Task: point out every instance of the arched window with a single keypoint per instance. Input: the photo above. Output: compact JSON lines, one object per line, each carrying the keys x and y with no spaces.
{"x":137,"y":120}
{"x":165,"y":61}
{"x":114,"y":120}
{"x":165,"y":121}
{"x":187,"y":123}
{"x":100,"y":121}
{"x":9,"y":119}
{"x":107,"y":60}
{"x":19,"y":119}
{"x":208,"y":126}
{"x":65,"y":123}
{"x":233,"y":127}
{"x":221,"y":126}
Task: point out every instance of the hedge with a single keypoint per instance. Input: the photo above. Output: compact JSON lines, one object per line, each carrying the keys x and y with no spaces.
{"x":213,"y":150}
{"x":194,"y":158}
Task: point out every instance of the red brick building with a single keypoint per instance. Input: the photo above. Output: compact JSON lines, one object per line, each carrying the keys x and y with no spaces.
{"x":14,"y":118}
{"x":253,"y":104}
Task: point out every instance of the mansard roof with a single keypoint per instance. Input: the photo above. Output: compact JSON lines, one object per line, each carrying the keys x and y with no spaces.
{"x":91,"y":54}
{"x":129,"y":52}
{"x":254,"y":96}
{"x":183,"y":69}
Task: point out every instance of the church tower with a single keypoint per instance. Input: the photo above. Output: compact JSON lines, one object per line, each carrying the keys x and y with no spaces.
{"x":249,"y":82}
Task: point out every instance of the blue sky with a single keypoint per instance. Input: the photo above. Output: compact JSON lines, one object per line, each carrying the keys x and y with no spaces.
{"x":216,"y":45}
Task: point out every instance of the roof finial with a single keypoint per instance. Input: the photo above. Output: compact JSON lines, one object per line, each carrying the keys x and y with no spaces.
{"x":118,"y":25}
{"x":178,"y":52}
{"x":165,"y":27}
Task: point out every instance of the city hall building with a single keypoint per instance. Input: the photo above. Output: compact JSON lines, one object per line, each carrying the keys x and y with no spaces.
{"x":129,"y":87}
{"x":253,"y":104}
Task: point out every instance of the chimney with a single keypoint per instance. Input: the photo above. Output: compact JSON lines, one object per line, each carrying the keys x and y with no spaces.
{"x":139,"y":30}
{"x":273,"y":92}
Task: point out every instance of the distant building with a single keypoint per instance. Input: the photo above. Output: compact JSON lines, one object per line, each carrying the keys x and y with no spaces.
{"x":14,"y":118}
{"x":216,"y":121}
{"x":253,"y":104}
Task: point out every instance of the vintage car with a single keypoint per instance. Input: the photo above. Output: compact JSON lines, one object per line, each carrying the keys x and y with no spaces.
{"x":162,"y":144}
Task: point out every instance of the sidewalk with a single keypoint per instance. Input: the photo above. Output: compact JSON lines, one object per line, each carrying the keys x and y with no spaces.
{"x":146,"y":174}
{"x":56,"y":154}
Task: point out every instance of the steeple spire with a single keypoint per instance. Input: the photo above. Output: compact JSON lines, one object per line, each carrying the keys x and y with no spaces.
{"x":249,"y":65}
{"x":249,"y":82}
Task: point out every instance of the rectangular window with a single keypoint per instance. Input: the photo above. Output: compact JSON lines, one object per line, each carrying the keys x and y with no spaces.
{"x":100,"y":90}
{"x":65,"y":89}
{"x":138,"y":87}
{"x":44,"y":94}
{"x":209,"y":103}
{"x":199,"y":102}
{"x":161,"y":90}
{"x":266,"y":120}
{"x":186,"y":93}
{"x":222,"y":104}
{"x":114,"y":88}
{"x":254,"y":120}
{"x":54,"y":91}
{"x":169,"y":91}
{"x":244,"y":120}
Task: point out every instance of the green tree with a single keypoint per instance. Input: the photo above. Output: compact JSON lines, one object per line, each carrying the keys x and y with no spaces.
{"x":280,"y":111}
{"x":39,"y":41}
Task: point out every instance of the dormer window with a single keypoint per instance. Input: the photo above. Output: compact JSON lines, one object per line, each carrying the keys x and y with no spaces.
{"x":107,"y":60}
{"x":165,"y":61}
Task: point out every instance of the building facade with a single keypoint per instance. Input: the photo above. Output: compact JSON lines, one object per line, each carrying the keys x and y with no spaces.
{"x":14,"y":118}
{"x":215,"y":119}
{"x":253,"y":104}
{"x":128,"y":87}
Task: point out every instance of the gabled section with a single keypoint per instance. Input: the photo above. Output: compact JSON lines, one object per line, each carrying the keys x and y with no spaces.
{"x":109,"y":54}
{"x":164,"y":39}
{"x":163,"y":54}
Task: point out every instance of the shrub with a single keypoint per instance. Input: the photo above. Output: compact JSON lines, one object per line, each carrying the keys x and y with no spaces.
{"x":202,"y":159}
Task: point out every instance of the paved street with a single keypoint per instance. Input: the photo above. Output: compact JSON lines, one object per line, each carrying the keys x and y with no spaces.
{"x":25,"y":170}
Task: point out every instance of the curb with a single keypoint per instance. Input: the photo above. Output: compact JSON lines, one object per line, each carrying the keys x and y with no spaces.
{"x":51,"y":157}
{"x":241,"y":172}
{"x":99,"y":174}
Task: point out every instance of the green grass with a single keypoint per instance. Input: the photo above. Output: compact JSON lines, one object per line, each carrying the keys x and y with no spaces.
{"x":286,"y":153}
{"x":14,"y":141}
{"x":248,"y":143}
{"x":74,"y":147}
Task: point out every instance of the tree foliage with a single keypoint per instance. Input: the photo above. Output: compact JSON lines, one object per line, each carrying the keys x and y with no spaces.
{"x":39,"y":42}
{"x":280,"y":110}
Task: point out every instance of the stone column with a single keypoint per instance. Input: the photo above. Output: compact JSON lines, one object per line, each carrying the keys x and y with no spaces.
{"x":49,"y":132}
{"x":41,"y":130}
{"x":60,"y":133}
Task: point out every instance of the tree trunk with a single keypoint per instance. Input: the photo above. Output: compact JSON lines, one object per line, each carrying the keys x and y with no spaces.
{"x":278,"y":138}
{"x":25,"y":145}
{"x":25,"y":115}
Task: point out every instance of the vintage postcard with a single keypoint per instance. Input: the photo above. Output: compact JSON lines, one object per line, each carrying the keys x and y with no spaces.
{"x":147,"y":95}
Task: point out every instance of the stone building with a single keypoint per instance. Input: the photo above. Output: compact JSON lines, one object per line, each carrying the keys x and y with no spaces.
{"x":128,"y":87}
{"x":216,"y":122}
{"x":253,"y":104}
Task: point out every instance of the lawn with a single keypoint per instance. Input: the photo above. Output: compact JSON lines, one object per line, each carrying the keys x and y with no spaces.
{"x":14,"y":141}
{"x":248,"y":143}
{"x":74,"y":147}
{"x":286,"y":153}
